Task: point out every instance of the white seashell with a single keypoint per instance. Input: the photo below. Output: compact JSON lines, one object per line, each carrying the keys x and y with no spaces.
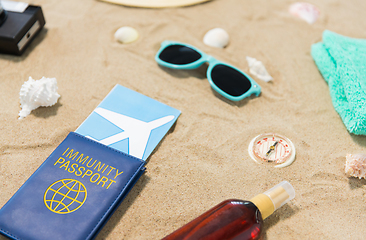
{"x":305,"y":11}
{"x":216,"y":37}
{"x":37,"y":93}
{"x":356,"y":165}
{"x":257,"y":69}
{"x":126,"y":35}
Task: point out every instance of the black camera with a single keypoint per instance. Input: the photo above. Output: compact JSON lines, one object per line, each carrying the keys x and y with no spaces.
{"x":18,"y":26}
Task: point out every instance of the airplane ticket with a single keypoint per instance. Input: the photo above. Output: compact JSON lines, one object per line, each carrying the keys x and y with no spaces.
{"x":129,"y":122}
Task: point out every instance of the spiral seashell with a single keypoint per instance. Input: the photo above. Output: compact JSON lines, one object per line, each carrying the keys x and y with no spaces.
{"x":305,"y":11}
{"x":257,"y":69}
{"x":37,"y":93}
{"x":216,"y":37}
{"x":126,"y":35}
{"x":356,"y":165}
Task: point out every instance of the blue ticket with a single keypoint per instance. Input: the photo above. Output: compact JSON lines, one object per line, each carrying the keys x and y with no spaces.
{"x":129,"y":122}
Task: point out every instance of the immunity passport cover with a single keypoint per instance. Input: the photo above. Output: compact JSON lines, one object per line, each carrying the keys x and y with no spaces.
{"x":75,"y":191}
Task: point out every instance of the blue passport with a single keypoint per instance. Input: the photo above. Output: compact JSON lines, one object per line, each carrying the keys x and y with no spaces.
{"x":72,"y":194}
{"x":75,"y":191}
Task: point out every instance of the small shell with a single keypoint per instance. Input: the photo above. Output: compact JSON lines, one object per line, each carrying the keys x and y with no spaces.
{"x":37,"y":93}
{"x":216,"y":37}
{"x":257,"y":69}
{"x":126,"y":35}
{"x":356,"y":165}
{"x":305,"y":11}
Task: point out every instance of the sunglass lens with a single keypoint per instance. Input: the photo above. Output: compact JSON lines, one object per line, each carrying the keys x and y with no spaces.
{"x":230,"y":80}
{"x":179,"y":54}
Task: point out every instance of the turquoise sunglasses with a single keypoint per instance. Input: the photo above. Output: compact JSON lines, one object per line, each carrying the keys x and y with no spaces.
{"x":225,"y":79}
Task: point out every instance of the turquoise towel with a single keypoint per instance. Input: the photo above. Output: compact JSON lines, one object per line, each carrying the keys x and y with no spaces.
{"x":342,"y":62}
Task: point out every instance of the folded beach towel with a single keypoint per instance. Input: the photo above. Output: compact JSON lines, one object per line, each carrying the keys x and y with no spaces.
{"x":342,"y":62}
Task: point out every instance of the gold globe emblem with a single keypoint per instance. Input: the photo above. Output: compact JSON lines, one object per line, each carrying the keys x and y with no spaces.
{"x":65,"y":196}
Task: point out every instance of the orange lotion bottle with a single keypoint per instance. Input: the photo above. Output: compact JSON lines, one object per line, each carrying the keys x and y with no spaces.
{"x":236,"y":219}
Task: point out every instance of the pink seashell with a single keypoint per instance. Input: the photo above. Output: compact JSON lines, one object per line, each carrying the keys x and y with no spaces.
{"x":356,"y":165}
{"x":305,"y":11}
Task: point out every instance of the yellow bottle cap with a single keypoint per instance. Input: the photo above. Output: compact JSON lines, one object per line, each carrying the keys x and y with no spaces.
{"x":276,"y":197}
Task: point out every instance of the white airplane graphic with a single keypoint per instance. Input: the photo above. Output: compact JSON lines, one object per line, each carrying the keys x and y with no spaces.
{"x":137,"y":131}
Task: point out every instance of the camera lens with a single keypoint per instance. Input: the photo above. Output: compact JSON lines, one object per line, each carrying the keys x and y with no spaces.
{"x":2,"y":14}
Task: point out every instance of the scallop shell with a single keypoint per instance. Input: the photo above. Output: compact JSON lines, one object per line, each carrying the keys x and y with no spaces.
{"x":216,"y":37}
{"x":356,"y":165}
{"x":37,"y":93}
{"x":305,"y":11}
{"x":257,"y":69}
{"x":126,"y":35}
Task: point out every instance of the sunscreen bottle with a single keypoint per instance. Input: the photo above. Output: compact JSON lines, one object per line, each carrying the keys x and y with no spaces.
{"x":236,"y":219}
